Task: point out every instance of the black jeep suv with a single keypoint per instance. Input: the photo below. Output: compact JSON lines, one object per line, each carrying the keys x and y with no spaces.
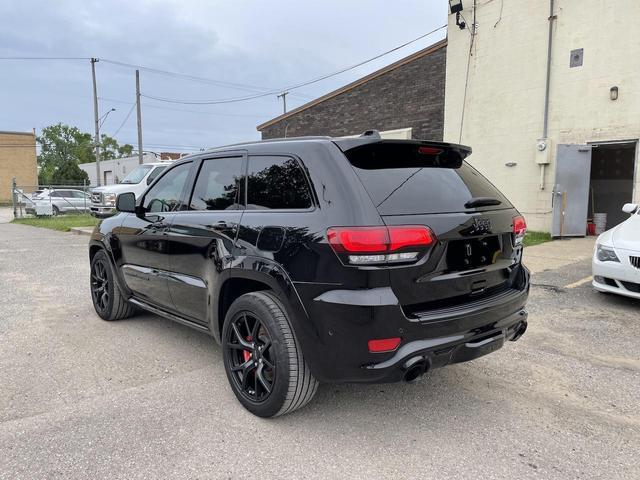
{"x":320,"y":259}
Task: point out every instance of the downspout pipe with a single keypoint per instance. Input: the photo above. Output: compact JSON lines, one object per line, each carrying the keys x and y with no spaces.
{"x":545,"y":125}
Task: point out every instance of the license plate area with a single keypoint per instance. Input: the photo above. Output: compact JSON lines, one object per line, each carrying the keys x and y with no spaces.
{"x":473,"y":253}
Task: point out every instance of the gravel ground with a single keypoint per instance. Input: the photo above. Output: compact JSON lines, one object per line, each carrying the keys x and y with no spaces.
{"x":147,"y":398}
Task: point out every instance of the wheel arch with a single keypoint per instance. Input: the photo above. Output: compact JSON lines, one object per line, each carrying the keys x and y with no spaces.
{"x":240,"y":282}
{"x":94,"y":247}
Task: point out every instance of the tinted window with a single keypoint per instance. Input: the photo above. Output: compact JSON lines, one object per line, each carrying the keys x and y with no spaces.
{"x":217,"y":185}
{"x":164,"y":196}
{"x":152,"y":176}
{"x":58,"y":194}
{"x":400,"y":180}
{"x":276,"y":183}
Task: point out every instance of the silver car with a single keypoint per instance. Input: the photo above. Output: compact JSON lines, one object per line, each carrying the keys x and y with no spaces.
{"x":63,"y":200}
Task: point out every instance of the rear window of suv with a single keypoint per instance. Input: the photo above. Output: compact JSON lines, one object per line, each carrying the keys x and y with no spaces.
{"x":410,"y":178}
{"x":275,"y":182}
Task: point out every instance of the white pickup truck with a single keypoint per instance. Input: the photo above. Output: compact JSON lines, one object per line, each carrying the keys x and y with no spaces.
{"x":103,"y":199}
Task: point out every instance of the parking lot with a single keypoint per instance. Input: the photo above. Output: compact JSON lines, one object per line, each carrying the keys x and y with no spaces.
{"x":148,"y":398}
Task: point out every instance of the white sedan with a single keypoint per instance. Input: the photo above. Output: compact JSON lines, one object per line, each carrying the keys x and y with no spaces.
{"x":616,"y":258}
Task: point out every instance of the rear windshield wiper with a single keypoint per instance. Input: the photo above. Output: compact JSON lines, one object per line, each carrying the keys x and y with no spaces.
{"x":482,"y":202}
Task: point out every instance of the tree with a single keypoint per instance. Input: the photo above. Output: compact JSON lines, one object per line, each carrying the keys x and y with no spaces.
{"x":63,"y":147}
{"x":125,"y":150}
{"x":111,"y":149}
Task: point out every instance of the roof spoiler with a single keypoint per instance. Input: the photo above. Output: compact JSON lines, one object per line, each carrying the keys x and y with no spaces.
{"x":368,"y":139}
{"x":371,"y":134}
{"x":382,"y":154}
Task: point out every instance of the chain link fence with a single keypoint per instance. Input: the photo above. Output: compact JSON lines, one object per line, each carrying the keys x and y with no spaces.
{"x":50,"y":200}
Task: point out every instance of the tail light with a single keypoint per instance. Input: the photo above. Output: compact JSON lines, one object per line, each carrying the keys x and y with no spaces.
{"x":519,"y":229}
{"x":380,"y":245}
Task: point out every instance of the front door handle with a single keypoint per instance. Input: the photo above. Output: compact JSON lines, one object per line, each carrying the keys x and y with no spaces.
{"x":159,"y":226}
{"x":222,"y":225}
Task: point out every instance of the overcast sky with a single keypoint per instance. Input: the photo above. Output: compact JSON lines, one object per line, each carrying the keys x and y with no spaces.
{"x":263,"y":44}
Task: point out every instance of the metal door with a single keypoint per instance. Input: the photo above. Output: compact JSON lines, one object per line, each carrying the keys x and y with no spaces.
{"x":571,"y":190}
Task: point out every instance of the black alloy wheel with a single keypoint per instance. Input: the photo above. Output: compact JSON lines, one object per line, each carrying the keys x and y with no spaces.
{"x":252,"y":365}
{"x":107,"y":298}
{"x":262,"y":358}
{"x":100,"y":285}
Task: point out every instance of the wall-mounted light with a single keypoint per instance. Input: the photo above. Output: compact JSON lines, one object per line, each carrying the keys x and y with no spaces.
{"x":510,"y":164}
{"x":613,"y":93}
{"x":455,"y":6}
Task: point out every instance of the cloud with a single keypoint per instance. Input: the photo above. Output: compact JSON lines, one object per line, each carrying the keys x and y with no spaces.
{"x":266,"y":44}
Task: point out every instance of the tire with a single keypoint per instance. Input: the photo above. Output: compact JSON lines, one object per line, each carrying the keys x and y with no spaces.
{"x":108,"y":301}
{"x":247,"y":359}
{"x":55,"y":211}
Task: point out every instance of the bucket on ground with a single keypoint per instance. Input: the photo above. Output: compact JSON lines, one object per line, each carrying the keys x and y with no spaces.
{"x":600,"y":219}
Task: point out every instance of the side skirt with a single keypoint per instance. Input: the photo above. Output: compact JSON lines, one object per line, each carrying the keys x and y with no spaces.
{"x":139,"y":303}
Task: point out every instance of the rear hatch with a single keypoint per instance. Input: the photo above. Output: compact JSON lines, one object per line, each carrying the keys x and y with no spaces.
{"x":475,"y":255}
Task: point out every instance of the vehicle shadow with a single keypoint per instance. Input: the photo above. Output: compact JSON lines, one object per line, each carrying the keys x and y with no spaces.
{"x":438,"y":394}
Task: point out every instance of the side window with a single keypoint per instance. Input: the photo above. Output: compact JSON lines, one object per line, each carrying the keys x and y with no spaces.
{"x":152,"y":176}
{"x":276,"y":183}
{"x":217,"y":185}
{"x":164,"y":196}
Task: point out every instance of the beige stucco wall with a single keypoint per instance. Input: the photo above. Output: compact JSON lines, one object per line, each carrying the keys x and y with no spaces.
{"x":505,"y":94}
{"x":17,"y":159}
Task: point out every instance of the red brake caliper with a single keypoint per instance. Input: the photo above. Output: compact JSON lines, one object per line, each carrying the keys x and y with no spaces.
{"x":246,"y":353}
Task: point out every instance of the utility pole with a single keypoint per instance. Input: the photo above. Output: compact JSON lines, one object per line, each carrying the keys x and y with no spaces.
{"x":283,"y":95}
{"x":139,"y":113}
{"x":95,"y":116}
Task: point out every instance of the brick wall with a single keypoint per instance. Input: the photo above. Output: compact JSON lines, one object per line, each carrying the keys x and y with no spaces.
{"x":17,"y":159}
{"x":410,"y":95}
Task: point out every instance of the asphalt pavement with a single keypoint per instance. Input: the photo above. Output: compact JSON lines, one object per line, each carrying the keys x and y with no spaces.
{"x":148,"y":398}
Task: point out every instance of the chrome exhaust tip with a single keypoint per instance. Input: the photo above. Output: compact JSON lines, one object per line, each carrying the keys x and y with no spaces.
{"x":522,"y":327}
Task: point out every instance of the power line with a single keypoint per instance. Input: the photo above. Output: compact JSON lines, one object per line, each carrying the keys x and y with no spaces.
{"x":223,"y":114}
{"x":295,"y":86}
{"x":210,"y":81}
{"x":230,"y":84}
{"x":220,"y":83}
{"x":167,"y":145}
{"x":125,"y":120}
{"x":45,"y":58}
{"x":368,"y":60}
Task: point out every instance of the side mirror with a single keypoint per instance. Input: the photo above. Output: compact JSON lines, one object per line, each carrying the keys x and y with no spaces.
{"x":126,"y":202}
{"x":630,"y":208}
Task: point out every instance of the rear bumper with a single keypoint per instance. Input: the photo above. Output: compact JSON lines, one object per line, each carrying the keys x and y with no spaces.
{"x":448,"y":350}
{"x":342,"y":355}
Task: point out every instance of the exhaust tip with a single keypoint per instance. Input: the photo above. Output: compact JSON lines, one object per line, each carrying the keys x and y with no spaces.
{"x":522,"y":327}
{"x":415,"y":368}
